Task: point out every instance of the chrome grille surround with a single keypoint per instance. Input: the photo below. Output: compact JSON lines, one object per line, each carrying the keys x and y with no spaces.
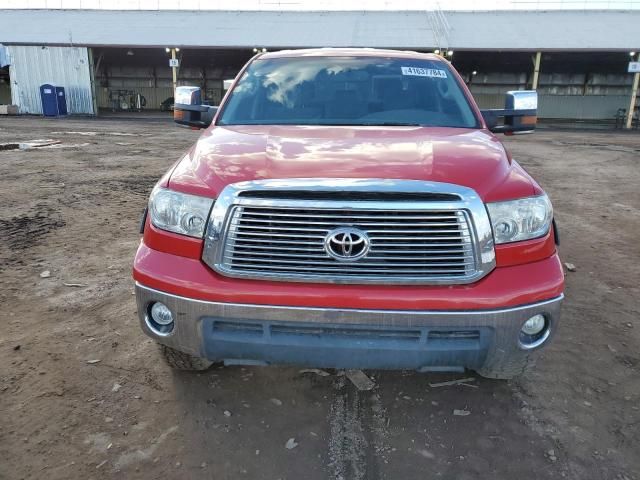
{"x":411,"y":241}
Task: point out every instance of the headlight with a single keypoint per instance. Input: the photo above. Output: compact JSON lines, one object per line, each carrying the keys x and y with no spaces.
{"x":178,"y":212}
{"x":520,"y":219}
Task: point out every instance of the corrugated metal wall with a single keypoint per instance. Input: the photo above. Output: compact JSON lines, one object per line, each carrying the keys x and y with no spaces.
{"x":153,"y":95}
{"x":569,"y":107}
{"x":488,"y":100}
{"x":156,"y":84}
{"x":581,"y":107}
{"x":66,"y":67}
{"x":577,"y":96}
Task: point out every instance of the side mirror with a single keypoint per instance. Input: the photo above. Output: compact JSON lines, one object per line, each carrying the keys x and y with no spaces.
{"x":226,"y":84}
{"x":520,"y":113}
{"x":189,"y":110}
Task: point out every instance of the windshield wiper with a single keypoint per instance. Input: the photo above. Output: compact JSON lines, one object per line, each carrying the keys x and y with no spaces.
{"x":372,"y":124}
{"x":392,"y":124}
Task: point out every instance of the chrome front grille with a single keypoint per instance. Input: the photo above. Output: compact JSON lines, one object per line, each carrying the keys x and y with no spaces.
{"x":291,"y":241}
{"x":274,"y":236}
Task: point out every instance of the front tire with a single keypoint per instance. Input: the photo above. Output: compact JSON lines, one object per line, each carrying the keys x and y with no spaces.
{"x":183,"y":361}
{"x":507,"y":368}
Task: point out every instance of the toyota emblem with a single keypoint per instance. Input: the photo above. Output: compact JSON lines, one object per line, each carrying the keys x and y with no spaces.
{"x":346,"y":244}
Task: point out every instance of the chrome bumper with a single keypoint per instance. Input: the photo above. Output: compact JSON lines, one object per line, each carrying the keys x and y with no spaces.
{"x":343,"y":338}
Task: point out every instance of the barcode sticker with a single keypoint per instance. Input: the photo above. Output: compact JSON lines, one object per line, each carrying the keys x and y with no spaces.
{"x":424,"y":72}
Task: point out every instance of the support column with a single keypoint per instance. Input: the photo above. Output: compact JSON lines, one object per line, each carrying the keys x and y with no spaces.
{"x":175,"y":72}
{"x":536,"y":70}
{"x":634,"y":94}
{"x":92,"y":76}
{"x":204,"y":82}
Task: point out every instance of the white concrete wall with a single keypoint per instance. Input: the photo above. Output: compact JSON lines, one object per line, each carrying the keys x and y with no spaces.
{"x":485,"y":30}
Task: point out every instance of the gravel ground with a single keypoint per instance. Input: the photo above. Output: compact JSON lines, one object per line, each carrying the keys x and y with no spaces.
{"x":84,"y":394}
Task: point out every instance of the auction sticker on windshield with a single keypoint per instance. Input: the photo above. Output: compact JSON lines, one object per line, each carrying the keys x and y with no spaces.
{"x":424,"y":72}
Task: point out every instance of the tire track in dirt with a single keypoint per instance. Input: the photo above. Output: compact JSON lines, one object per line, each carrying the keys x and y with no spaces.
{"x":358,"y":432}
{"x":19,"y":233}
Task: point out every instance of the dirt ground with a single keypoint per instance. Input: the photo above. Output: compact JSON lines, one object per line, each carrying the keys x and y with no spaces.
{"x":73,"y":210}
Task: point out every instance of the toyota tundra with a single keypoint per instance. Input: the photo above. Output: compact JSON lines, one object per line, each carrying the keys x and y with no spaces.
{"x":350,"y":208}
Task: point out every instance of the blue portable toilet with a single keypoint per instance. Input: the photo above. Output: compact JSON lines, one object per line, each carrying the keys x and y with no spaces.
{"x":49,"y":100}
{"x":61,"y":98}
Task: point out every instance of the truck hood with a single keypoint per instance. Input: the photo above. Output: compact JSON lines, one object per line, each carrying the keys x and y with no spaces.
{"x":473,"y":158}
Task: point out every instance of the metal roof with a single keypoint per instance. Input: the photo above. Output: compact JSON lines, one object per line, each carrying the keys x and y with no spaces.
{"x":479,"y":30}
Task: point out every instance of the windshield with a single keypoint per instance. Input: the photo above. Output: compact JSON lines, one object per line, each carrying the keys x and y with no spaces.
{"x":348,"y":91}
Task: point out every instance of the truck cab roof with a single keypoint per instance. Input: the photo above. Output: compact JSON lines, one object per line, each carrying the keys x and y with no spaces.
{"x":350,"y":52}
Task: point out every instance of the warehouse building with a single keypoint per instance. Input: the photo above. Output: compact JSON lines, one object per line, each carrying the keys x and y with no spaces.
{"x":119,"y":60}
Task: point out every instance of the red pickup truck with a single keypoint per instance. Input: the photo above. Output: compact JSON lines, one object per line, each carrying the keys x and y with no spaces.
{"x":350,"y":208}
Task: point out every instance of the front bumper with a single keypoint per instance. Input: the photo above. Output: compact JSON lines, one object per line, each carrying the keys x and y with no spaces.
{"x":344,"y":338}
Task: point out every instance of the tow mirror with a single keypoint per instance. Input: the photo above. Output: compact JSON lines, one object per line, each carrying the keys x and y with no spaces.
{"x":189,"y":110}
{"x":520,"y":113}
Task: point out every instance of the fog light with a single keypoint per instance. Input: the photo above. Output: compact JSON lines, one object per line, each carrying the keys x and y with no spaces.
{"x":534,"y":325}
{"x":161,"y":314}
